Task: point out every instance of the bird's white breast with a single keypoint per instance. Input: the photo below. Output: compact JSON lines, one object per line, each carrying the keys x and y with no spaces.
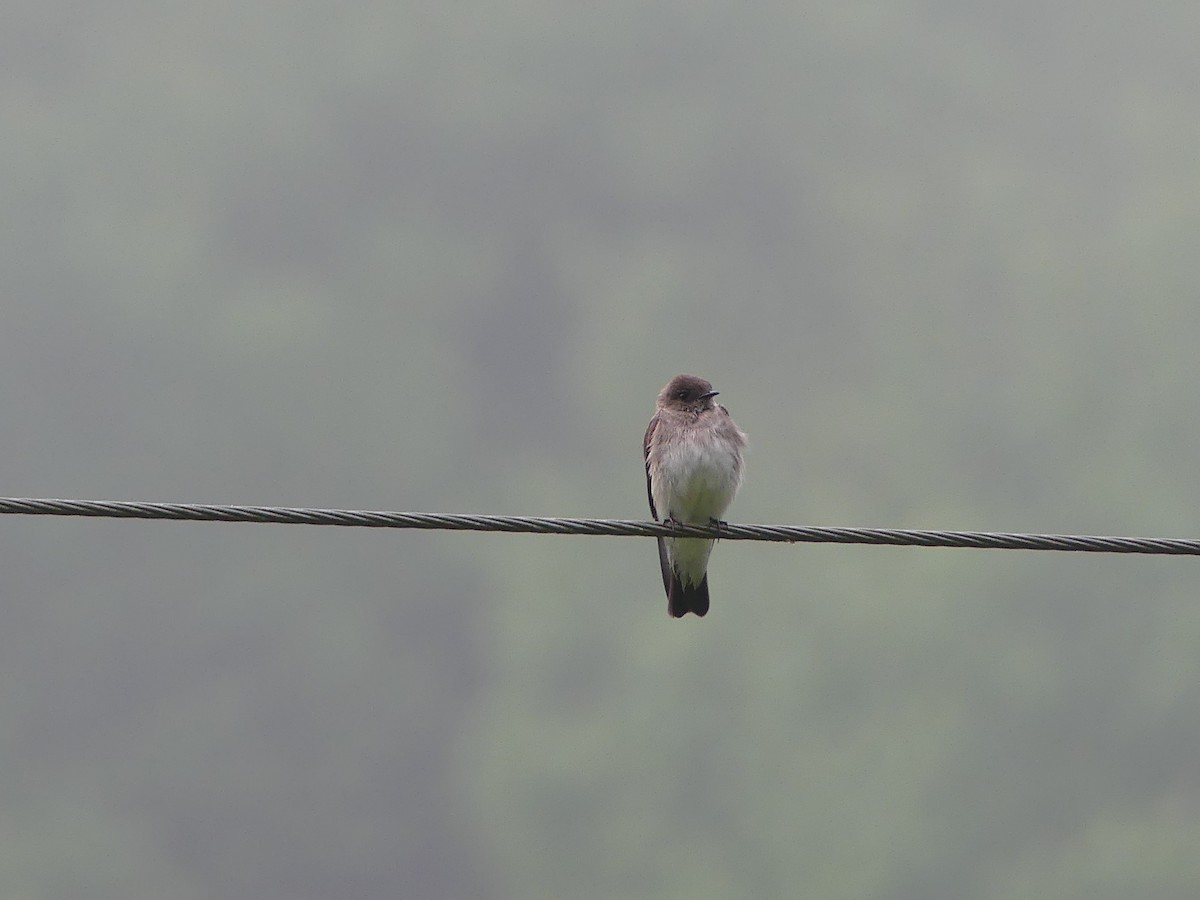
{"x":699,"y":479}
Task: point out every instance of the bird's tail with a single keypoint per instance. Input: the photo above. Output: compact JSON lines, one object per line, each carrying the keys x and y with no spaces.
{"x":690,"y":598}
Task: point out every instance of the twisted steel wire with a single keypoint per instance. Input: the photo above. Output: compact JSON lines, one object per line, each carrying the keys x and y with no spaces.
{"x":900,"y":537}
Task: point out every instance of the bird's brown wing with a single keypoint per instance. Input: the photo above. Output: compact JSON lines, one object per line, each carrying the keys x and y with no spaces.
{"x":663,"y":562}
{"x":646,"y":442}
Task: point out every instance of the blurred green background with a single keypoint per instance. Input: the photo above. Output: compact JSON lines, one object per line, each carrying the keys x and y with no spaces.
{"x":941,"y":261}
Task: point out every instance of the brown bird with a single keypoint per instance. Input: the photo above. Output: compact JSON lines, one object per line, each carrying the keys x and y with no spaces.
{"x":693,"y":455}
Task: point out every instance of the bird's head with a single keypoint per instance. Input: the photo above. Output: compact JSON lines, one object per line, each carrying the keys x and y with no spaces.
{"x":687,"y":392}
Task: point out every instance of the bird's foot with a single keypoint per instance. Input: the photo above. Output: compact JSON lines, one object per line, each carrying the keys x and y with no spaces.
{"x":717,"y":524}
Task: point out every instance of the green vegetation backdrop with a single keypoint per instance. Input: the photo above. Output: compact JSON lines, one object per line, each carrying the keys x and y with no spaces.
{"x":941,"y":261}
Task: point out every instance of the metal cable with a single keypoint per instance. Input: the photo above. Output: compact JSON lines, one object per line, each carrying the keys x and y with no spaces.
{"x":901,"y":537}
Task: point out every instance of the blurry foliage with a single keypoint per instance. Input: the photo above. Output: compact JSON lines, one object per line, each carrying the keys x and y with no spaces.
{"x":939,"y":259}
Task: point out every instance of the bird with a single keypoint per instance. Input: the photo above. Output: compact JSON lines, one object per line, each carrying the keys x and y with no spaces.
{"x":693,"y":456}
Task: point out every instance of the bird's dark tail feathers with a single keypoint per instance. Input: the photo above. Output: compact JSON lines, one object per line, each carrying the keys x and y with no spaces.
{"x":683,"y":599}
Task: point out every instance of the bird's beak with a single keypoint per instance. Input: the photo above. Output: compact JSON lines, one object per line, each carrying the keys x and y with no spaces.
{"x":709,"y":394}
